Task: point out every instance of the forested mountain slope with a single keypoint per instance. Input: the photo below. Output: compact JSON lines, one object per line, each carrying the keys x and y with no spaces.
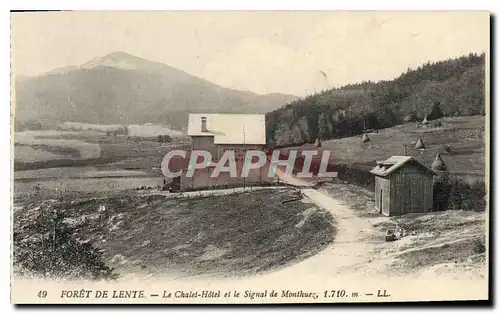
{"x":454,"y":87}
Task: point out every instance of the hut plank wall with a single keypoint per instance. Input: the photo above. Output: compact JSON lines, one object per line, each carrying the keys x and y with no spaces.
{"x":403,"y":185}
{"x":411,"y":191}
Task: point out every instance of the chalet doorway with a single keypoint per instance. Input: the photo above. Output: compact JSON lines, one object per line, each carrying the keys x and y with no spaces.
{"x":176,"y":184}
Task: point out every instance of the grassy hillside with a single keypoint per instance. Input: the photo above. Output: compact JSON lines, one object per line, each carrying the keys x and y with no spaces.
{"x":156,"y":234}
{"x":465,"y":135}
{"x":448,"y":88}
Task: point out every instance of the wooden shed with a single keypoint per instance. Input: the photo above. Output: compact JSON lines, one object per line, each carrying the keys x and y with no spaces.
{"x":403,"y":185}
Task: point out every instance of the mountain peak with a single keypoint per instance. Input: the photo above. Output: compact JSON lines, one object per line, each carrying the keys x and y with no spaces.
{"x":117,"y":59}
{"x":120,"y":55}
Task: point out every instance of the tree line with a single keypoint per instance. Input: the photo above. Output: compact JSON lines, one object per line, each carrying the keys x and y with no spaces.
{"x":454,"y":87}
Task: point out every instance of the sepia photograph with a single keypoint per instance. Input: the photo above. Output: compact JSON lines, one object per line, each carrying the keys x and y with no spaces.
{"x":249,"y":157}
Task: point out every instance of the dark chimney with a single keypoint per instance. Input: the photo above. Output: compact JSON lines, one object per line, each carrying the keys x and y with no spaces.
{"x":203,"y":124}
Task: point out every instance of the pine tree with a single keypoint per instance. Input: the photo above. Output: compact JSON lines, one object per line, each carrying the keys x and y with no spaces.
{"x":436,"y":112}
{"x":323,"y":130}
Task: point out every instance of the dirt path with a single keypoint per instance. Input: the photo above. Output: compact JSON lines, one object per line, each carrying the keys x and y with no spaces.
{"x":353,"y":241}
{"x":292,"y":180}
{"x":349,"y":251}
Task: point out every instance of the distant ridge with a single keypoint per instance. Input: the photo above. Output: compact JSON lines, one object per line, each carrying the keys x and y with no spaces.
{"x":120,"y":88}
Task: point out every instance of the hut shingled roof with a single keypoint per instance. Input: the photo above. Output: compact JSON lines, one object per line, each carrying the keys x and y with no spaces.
{"x":386,"y":167}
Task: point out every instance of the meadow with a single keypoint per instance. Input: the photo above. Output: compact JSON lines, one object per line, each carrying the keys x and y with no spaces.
{"x":465,"y":136}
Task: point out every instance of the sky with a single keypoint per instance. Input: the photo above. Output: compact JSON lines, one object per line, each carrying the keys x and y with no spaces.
{"x":292,"y":52}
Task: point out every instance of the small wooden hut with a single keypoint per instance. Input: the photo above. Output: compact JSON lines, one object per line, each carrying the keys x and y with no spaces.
{"x":403,"y":185}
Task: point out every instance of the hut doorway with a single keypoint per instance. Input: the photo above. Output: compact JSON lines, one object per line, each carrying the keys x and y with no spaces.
{"x":380,"y":200}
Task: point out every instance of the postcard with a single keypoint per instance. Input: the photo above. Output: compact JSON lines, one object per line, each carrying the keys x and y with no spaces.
{"x":249,"y":157}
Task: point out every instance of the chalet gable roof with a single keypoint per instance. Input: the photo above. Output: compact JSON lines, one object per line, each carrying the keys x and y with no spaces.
{"x":385,"y":168}
{"x":230,"y":128}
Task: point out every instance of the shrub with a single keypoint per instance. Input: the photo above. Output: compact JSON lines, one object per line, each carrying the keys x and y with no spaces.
{"x":164,"y":138}
{"x":167,"y":138}
{"x":437,"y":124}
{"x":412,"y":117}
{"x":456,"y":194}
{"x":479,"y":246}
{"x":436,"y":112}
{"x":46,"y":246}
